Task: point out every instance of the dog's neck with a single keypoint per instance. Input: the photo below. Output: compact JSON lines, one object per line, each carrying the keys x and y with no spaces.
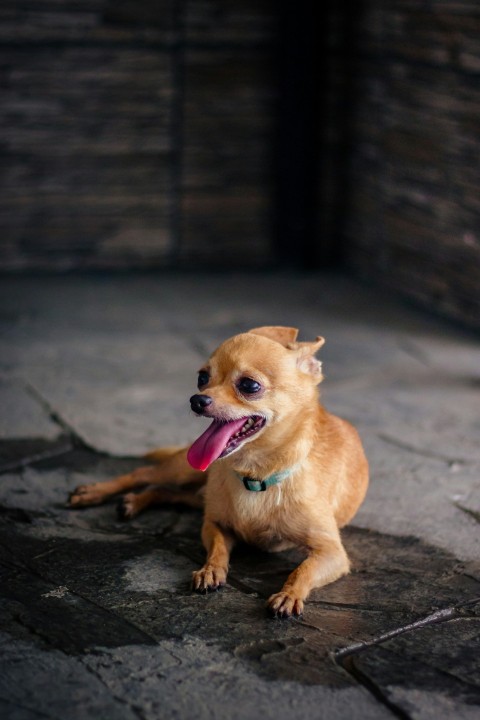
{"x":286,"y":445}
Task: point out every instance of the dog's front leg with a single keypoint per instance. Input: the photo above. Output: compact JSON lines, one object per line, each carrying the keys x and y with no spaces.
{"x":325,"y":563}
{"x":218,"y":543}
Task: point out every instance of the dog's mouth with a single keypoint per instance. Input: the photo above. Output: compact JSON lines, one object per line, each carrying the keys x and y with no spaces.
{"x":221,"y":439}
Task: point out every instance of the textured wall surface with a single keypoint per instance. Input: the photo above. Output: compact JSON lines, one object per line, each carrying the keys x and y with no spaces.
{"x":158,"y":133}
{"x":134,"y":133}
{"x":413,"y":220}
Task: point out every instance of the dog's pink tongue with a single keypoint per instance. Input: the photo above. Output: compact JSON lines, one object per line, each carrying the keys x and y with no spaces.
{"x":211,"y":444}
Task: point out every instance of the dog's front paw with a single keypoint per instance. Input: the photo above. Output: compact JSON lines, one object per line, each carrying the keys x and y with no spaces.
{"x":284,"y":604}
{"x":210,"y":577}
{"x":84,"y":495}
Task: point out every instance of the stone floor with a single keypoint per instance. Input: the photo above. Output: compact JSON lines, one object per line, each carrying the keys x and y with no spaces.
{"x":97,"y":618}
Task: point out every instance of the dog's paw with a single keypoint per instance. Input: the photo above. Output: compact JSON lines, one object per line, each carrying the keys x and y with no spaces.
{"x":84,"y":495}
{"x":210,"y":577}
{"x":284,"y":605}
{"x":128,"y":506}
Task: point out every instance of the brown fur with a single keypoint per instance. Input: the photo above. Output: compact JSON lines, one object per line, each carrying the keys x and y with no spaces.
{"x":306,"y":509}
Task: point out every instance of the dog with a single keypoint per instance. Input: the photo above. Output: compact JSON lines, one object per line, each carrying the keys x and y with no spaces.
{"x":273,"y":469}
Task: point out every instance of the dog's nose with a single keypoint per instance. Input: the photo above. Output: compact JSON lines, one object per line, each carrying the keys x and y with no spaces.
{"x":198,"y":403}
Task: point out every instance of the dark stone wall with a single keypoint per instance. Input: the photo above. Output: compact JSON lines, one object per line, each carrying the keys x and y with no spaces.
{"x":135,"y":133}
{"x":412,"y":221}
{"x":234,"y":133}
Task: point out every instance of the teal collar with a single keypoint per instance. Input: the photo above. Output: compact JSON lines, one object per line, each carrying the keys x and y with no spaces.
{"x":261,"y":485}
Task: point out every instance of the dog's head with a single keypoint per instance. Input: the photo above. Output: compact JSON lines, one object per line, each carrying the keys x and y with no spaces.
{"x":251,"y":382}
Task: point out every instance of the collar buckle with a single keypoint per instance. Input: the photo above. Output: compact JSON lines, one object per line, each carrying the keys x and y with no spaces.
{"x":254,"y":485}
{"x":261,"y":485}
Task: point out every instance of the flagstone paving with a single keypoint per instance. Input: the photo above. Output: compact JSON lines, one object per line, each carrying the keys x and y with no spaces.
{"x":97,"y":618}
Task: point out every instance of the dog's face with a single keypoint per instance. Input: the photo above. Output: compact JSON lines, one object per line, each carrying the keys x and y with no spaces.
{"x":252,"y":382}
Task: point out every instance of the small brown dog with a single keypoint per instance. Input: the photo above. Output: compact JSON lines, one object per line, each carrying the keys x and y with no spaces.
{"x":282,"y":471}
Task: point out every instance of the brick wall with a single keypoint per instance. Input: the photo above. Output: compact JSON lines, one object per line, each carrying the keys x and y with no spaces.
{"x":135,"y":133}
{"x":412,"y":221}
{"x":151,"y":133}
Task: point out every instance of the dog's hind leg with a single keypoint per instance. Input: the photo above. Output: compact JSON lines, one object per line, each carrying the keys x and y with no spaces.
{"x":172,"y":468}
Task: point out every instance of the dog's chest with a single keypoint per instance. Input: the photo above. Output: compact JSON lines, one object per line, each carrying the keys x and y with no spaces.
{"x":259,"y":517}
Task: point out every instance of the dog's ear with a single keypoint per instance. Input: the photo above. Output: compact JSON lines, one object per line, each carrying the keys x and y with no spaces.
{"x":306,"y":362}
{"x":283,"y":335}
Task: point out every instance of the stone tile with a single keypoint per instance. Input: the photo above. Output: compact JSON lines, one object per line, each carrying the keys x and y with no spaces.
{"x":115,"y":394}
{"x":186,"y":678}
{"x":426,"y":497}
{"x":78,"y":692}
{"x":22,"y":416}
{"x":430,"y":673}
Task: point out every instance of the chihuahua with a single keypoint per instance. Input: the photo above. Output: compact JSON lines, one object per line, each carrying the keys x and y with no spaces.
{"x":273,"y":469}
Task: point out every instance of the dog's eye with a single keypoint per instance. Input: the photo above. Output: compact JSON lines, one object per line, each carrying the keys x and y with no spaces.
{"x":203,"y":378}
{"x":248,"y":386}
